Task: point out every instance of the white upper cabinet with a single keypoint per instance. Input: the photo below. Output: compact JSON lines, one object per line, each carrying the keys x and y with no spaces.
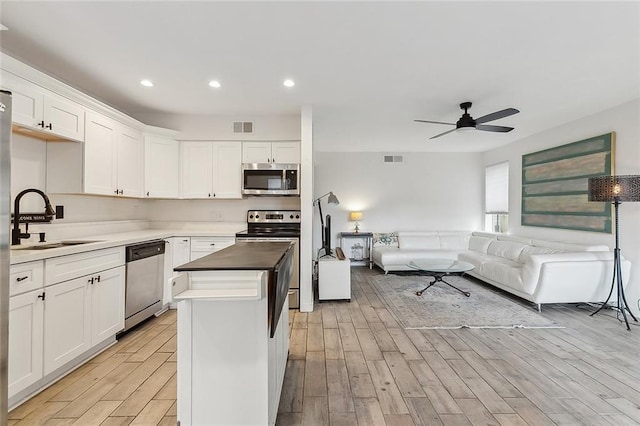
{"x":35,"y":107}
{"x":130,"y":160}
{"x":227,"y":169}
{"x":161,"y":167}
{"x":285,"y":152}
{"x":271,"y":152}
{"x":197,"y":169}
{"x":111,"y":161}
{"x":100,"y":158}
{"x":211,"y":169}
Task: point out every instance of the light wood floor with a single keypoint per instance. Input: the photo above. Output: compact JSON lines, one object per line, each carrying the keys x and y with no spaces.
{"x":352,"y":364}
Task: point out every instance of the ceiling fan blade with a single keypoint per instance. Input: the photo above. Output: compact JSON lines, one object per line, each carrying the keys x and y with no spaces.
{"x":442,"y":134}
{"x":434,"y":122}
{"x":496,"y":115}
{"x":490,"y":128}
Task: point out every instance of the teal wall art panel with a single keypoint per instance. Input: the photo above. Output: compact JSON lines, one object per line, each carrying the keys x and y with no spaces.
{"x":555,"y":181}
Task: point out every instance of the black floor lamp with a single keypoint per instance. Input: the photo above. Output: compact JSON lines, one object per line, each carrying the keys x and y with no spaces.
{"x":616,"y":189}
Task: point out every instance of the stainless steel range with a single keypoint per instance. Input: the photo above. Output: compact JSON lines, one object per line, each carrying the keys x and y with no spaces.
{"x":277,"y":225}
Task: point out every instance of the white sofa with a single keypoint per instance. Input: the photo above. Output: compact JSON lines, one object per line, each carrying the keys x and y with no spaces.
{"x":540,"y":271}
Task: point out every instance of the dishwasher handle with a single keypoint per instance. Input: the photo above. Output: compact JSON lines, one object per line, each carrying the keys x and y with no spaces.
{"x":145,"y":250}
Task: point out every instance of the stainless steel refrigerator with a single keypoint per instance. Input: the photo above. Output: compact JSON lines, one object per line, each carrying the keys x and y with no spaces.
{"x":5,"y":212}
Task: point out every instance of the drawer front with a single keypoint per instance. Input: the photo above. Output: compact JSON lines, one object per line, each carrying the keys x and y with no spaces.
{"x":211,"y":244}
{"x":63,"y":268}
{"x":25,"y":277}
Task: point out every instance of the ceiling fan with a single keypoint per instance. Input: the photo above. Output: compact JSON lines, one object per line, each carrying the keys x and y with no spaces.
{"x":466,"y":122}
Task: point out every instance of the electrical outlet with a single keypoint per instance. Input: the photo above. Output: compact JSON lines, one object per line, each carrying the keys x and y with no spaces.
{"x":217,"y":216}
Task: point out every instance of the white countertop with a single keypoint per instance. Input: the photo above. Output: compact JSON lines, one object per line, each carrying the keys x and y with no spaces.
{"x":118,"y":239}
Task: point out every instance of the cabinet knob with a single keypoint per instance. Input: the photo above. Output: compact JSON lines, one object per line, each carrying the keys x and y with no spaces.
{"x":90,"y":280}
{"x":147,"y":193}
{"x":212,"y":244}
{"x":121,"y":191}
{"x":115,"y":192}
{"x":98,"y":278}
{"x":42,"y":296}
{"x":49,"y":126}
{"x":40,"y":124}
{"x":209,"y":194}
{"x":22,"y":278}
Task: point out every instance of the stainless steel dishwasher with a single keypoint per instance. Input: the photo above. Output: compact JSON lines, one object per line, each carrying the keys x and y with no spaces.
{"x":143,"y":294}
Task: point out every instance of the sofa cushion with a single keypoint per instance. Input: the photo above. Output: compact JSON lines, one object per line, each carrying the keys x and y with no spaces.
{"x":393,"y":256}
{"x":389,"y":239}
{"x":531,"y":250}
{"x":479,"y":244}
{"x":505,"y":249}
{"x":407,"y":241}
{"x":568,"y":246}
{"x":454,"y":241}
{"x":475,"y":258}
{"x":507,"y":273}
{"x":514,"y":239}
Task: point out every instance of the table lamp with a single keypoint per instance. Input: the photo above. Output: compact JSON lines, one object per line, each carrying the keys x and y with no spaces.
{"x":616,"y":189}
{"x":355,"y":217}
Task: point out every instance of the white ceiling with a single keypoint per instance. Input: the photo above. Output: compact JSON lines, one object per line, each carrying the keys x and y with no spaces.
{"x":367,"y":68}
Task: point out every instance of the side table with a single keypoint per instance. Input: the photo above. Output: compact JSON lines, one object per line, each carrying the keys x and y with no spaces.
{"x":367,"y":238}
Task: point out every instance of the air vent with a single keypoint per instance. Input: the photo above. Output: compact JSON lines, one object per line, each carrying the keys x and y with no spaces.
{"x":393,"y":158}
{"x":243,"y":127}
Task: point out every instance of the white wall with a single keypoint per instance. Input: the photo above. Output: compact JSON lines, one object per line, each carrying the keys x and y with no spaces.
{"x":206,"y":127}
{"x":427,"y":191}
{"x":210,"y":210}
{"x":625,"y":121}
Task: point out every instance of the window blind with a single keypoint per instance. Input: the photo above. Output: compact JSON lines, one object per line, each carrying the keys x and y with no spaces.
{"x":497,"y":188}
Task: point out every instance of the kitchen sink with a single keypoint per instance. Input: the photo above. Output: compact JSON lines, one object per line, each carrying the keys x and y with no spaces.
{"x":46,"y":246}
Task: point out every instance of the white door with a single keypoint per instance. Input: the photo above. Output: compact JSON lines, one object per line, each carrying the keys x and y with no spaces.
{"x":63,"y":117}
{"x":197,"y":170}
{"x":161,"y":167}
{"x":27,"y":101}
{"x":256,"y":152}
{"x":67,"y":322}
{"x":26,"y":312}
{"x":130,"y":162}
{"x":286,"y":152}
{"x":107,"y":304}
{"x":100,"y":155}
{"x":227,"y":170}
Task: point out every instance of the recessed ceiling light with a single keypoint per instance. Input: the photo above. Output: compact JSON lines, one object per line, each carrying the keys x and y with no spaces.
{"x":289,"y":83}
{"x":146,"y":83}
{"x":214,"y":83}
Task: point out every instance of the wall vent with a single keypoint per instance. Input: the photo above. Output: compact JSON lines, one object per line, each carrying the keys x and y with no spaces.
{"x":243,"y":127}
{"x":393,"y":159}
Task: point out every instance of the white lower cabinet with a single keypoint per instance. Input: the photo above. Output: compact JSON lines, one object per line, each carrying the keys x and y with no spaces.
{"x":203,"y":246}
{"x":60,"y":312}
{"x":26,"y":313}
{"x":66,"y":322}
{"x":81,"y":313}
{"x":107,"y":304}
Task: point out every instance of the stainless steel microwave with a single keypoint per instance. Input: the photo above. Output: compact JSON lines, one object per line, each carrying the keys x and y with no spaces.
{"x":270,"y":179}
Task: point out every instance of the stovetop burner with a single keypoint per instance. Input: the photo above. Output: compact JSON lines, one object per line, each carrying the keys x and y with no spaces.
{"x":272,"y":224}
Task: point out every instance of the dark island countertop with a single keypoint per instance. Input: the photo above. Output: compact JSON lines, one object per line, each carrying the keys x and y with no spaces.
{"x":261,"y":255}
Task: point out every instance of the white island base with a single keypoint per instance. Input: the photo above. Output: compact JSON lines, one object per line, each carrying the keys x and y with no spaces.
{"x":230,"y":371}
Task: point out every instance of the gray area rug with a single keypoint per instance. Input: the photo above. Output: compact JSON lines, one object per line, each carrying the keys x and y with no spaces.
{"x":443,"y":307}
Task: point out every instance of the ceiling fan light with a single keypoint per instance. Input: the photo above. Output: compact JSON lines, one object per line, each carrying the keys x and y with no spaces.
{"x":465,"y":129}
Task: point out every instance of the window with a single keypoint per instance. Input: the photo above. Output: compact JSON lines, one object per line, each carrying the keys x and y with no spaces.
{"x":496,"y":201}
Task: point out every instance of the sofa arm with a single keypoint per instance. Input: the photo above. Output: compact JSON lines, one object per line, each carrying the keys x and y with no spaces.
{"x":571,"y":277}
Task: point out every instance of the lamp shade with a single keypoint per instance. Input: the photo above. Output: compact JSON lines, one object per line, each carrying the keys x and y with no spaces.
{"x":333,"y":200}
{"x":355,"y":216}
{"x":624,"y":188}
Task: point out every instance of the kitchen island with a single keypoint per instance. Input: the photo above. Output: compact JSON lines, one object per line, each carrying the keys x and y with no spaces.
{"x":233,"y":337}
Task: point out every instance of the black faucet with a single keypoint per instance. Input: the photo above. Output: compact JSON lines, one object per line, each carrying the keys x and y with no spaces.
{"x":16,"y":235}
